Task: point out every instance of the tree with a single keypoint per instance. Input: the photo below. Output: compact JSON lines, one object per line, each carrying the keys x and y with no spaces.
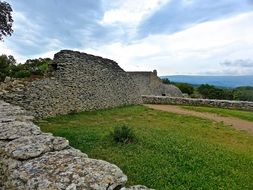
{"x":4,"y":66}
{"x":166,"y":81}
{"x":210,"y":91}
{"x":185,"y":88}
{"x":5,"y":19}
{"x":243,"y":93}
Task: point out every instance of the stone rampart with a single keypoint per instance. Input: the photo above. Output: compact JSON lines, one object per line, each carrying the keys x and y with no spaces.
{"x":150,"y":84}
{"x":76,"y":82}
{"x":242,"y":105}
{"x":33,"y":160}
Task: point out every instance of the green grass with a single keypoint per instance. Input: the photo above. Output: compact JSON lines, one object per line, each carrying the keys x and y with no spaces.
{"x":172,"y":151}
{"x":245,"y":115}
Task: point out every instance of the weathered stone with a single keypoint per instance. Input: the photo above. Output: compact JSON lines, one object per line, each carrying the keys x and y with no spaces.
{"x":16,"y":129}
{"x":76,"y":82}
{"x":150,"y":84}
{"x":7,"y":79}
{"x":241,"y":105}
{"x":33,"y":146}
{"x":67,"y":169}
{"x":136,"y":187}
{"x":30,"y":159}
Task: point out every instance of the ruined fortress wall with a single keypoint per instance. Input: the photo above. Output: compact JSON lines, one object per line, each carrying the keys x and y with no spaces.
{"x":77,"y":82}
{"x":150,"y":84}
{"x":242,"y":105}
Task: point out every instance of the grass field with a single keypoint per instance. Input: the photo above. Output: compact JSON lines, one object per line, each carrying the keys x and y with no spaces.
{"x":172,"y":151}
{"x":245,"y":115}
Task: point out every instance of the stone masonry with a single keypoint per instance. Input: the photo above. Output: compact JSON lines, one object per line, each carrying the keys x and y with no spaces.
{"x":76,"y":82}
{"x":241,"y":105}
{"x":150,"y":84}
{"x":33,"y":160}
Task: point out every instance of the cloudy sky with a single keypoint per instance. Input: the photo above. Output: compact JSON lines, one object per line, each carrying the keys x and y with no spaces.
{"x":203,"y":37}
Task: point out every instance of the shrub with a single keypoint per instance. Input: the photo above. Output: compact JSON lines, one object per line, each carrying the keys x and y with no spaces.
{"x":185,"y":88}
{"x":212,"y":92}
{"x":244,"y":93}
{"x":166,"y":81}
{"x":123,"y":134}
{"x":2,"y":76}
{"x":22,"y":74}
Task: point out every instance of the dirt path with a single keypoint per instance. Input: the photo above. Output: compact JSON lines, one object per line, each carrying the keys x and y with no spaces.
{"x":230,"y":121}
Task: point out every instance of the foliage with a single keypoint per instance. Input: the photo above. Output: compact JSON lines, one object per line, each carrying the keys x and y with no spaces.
{"x":185,"y":88}
{"x":227,"y":94}
{"x":5,"y":19}
{"x":2,"y":76}
{"x":6,"y":62}
{"x":22,"y":74}
{"x":37,"y":66}
{"x":8,"y":67}
{"x":243,"y":93}
{"x":173,"y":151}
{"x":212,"y":92}
{"x":32,"y":66}
{"x":123,"y":134}
{"x":166,"y":81}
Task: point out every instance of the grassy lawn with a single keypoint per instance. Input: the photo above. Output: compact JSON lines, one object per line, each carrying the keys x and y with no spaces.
{"x":172,"y":151}
{"x":245,"y":115}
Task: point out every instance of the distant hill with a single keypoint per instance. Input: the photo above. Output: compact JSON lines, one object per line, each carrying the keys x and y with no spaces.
{"x":221,"y":81}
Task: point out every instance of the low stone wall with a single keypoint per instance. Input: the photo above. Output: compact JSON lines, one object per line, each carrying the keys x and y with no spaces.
{"x":33,"y":160}
{"x":242,"y":105}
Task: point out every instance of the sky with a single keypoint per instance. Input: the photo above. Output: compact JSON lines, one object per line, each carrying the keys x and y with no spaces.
{"x":175,"y":37}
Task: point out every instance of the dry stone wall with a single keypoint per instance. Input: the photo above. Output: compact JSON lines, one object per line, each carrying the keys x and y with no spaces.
{"x":150,"y":84}
{"x":76,"y":82}
{"x":33,"y":160}
{"x":242,"y":105}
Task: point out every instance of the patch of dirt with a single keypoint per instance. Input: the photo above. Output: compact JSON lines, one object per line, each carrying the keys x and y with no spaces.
{"x":229,"y":121}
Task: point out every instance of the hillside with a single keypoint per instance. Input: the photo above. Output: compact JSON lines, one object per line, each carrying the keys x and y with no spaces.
{"x":222,"y":81}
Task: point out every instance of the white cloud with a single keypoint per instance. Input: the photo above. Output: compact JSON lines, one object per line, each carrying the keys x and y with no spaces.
{"x":4,"y":49}
{"x":25,"y":30}
{"x":27,"y":33}
{"x":131,"y":11}
{"x":199,"y":49}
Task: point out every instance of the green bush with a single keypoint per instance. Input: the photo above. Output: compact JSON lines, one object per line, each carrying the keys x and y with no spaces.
{"x":22,"y":74}
{"x":5,"y":63}
{"x":185,"y":88}
{"x":123,"y":134}
{"x":2,"y":76}
{"x":166,"y":81}
{"x":244,"y":93}
{"x":212,"y":92}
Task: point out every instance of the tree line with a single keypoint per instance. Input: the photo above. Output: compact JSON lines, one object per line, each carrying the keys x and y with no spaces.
{"x":243,"y":93}
{"x":32,"y":67}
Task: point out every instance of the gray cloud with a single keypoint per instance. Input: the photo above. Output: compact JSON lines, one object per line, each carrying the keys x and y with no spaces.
{"x":73,"y":24}
{"x":177,"y":15}
{"x":238,"y":63}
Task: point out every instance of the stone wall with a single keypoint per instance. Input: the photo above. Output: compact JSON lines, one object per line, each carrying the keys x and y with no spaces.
{"x":33,"y":160}
{"x":242,"y":105}
{"x":76,"y":82}
{"x":150,"y":84}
